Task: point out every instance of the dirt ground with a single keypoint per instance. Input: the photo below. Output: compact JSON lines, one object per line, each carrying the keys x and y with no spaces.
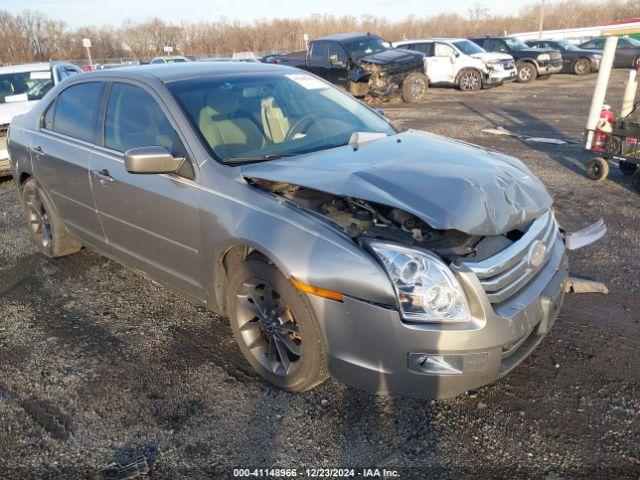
{"x":100,"y":365}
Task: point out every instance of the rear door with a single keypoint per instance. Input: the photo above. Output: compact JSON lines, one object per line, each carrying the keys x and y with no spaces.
{"x":61,"y":154}
{"x":626,"y":53}
{"x":151,"y":221}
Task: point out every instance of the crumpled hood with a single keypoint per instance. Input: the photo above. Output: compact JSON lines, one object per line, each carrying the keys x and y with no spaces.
{"x":446,"y":183}
{"x":392,"y":55}
{"x":492,"y":56}
{"x":13,"y":109}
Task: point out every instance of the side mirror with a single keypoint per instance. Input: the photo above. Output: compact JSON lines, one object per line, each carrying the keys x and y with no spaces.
{"x":151,"y":160}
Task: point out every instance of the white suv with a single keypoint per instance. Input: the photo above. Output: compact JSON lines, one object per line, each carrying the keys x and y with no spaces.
{"x":21,"y":86}
{"x":462,"y":63}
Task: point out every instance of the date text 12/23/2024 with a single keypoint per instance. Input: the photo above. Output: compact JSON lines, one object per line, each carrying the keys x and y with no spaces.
{"x":316,"y":472}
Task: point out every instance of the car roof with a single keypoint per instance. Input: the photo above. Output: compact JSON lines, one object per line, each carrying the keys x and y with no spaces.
{"x":170,"y":72}
{"x":339,"y":37}
{"x":26,"y":67}
{"x":435,"y":39}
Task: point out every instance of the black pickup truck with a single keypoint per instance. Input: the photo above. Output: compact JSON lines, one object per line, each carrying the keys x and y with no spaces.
{"x":530,"y":62}
{"x":366,"y":66}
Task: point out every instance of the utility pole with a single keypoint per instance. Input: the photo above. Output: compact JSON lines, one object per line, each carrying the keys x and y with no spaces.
{"x":541,"y":26}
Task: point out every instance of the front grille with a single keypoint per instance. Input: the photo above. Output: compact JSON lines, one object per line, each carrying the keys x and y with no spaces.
{"x":505,"y":273}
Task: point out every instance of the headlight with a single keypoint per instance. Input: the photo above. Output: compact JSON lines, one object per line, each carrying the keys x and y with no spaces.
{"x":544,"y":57}
{"x":597,"y":56}
{"x":426,"y":288}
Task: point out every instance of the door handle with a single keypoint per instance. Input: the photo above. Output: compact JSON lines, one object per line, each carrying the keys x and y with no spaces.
{"x":37,"y":150}
{"x":102,"y":175}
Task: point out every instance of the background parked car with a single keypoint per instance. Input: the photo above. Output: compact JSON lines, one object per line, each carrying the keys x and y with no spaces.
{"x":21,"y":86}
{"x":174,"y":59}
{"x":460,"y":62}
{"x":367,"y":66}
{"x":295,"y":58}
{"x":627,"y":51}
{"x":574,"y":59}
{"x":530,"y":62}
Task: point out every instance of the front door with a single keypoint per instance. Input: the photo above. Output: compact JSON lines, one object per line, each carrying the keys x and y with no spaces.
{"x":440,"y":67}
{"x":151,"y":221}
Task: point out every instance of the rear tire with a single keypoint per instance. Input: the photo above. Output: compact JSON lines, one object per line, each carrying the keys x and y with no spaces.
{"x":582,"y":66}
{"x":470,"y":80}
{"x":414,"y":87}
{"x":597,"y":169}
{"x":44,"y":222}
{"x":627,"y":168}
{"x":275,"y":327}
{"x":635,"y":180}
{"x":527,"y":72}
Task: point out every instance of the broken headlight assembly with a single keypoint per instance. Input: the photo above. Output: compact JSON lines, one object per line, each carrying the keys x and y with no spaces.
{"x":426,"y":289}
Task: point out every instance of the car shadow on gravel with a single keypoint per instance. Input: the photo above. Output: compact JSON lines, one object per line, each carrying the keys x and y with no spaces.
{"x":570,"y":156}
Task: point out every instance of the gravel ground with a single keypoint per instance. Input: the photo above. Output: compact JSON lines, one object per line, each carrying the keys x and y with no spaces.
{"x":100,"y":365}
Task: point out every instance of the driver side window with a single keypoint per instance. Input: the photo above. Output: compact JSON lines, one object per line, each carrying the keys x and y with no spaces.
{"x":443,"y":50}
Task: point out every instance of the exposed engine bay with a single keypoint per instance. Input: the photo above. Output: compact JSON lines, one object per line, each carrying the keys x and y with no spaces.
{"x":362,"y":219}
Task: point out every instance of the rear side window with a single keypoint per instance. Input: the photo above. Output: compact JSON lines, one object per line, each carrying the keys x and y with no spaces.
{"x":76,"y":111}
{"x":426,"y":48}
{"x":134,"y":119}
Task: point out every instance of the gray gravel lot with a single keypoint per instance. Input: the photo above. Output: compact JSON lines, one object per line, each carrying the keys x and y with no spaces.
{"x":98,"y":364}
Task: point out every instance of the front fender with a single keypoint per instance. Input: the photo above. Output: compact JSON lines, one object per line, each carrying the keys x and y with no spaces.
{"x":299,"y":244}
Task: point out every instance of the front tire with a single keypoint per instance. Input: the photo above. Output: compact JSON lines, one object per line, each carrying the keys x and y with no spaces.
{"x":582,"y":66}
{"x":275,"y":327}
{"x":414,"y":87}
{"x":627,"y":168}
{"x":44,"y":222}
{"x":470,"y":80}
{"x":527,"y":72}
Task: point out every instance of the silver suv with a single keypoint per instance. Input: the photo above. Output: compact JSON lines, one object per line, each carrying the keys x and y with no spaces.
{"x":396,"y":261}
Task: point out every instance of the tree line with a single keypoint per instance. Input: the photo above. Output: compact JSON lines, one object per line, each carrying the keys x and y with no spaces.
{"x":32,"y":36}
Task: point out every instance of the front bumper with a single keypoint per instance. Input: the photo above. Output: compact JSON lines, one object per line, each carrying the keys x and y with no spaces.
{"x":495,"y":76}
{"x":369,"y":346}
{"x":547,"y":68}
{"x":5,"y":165}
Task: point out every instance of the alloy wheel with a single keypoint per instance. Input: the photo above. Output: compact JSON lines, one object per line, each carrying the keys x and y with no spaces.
{"x":525,"y":73}
{"x":470,"y":81}
{"x":38,"y":219}
{"x":418,"y":89}
{"x":268,"y":328}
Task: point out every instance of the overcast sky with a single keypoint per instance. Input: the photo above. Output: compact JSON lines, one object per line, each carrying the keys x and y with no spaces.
{"x":113,"y":12}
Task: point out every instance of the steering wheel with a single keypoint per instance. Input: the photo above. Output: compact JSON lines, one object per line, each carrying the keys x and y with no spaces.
{"x":301,"y":126}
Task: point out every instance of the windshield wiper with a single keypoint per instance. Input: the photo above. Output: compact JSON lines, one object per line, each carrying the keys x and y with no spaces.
{"x":257,"y":158}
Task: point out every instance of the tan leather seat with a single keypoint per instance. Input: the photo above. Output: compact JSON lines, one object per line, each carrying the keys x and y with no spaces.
{"x":275,"y":124}
{"x":228,"y":134}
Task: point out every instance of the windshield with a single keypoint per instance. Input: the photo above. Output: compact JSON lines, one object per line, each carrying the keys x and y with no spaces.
{"x":274,"y":114}
{"x":24,"y":86}
{"x":515,"y":44}
{"x":468,"y":48}
{"x":365,"y":46}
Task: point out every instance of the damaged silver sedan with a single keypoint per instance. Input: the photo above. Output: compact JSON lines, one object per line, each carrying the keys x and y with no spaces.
{"x":395,"y":261}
